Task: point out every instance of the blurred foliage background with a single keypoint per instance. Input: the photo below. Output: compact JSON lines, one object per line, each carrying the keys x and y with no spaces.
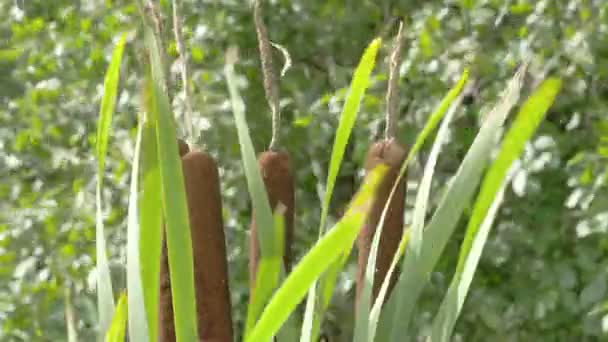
{"x":544,"y":272}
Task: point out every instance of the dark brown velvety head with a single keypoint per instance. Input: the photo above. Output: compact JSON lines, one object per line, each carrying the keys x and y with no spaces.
{"x":391,"y":154}
{"x":276,"y":172}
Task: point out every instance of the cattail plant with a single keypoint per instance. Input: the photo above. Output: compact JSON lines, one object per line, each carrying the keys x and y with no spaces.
{"x":202,"y":185}
{"x":386,"y":151}
{"x":274,"y":164}
{"x":209,"y":252}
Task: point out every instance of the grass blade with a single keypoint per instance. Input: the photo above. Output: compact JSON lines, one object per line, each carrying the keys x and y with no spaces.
{"x":417,"y":266}
{"x":371,"y":321}
{"x":269,"y":267}
{"x":329,"y":248}
{"x":105,"y":295}
{"x":527,"y":121}
{"x":443,"y":324}
{"x":108,"y":102}
{"x":175,"y":210}
{"x":116,"y":331}
{"x":348,"y":117}
{"x":357,"y":90}
{"x":150,"y":221}
{"x":138,"y":329}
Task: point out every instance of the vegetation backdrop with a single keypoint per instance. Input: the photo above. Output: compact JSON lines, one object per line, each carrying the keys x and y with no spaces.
{"x":544,"y":272}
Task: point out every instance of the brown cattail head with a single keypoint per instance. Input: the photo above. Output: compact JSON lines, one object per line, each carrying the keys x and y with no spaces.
{"x":208,"y":247}
{"x":392,"y":154}
{"x":276,"y":172}
{"x":209,"y":253}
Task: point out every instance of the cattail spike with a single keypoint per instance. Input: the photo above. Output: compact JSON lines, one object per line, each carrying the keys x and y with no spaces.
{"x":276,"y":172}
{"x":213,"y":307}
{"x":208,"y":247}
{"x":392,"y":154}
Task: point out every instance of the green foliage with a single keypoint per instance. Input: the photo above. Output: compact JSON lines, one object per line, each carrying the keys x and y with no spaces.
{"x":419,"y":261}
{"x":527,"y":121}
{"x":358,"y":87}
{"x":116,"y":331}
{"x":173,"y":200}
{"x":105,"y":295}
{"x":138,"y":327}
{"x":366,"y":324}
{"x":542,"y":275}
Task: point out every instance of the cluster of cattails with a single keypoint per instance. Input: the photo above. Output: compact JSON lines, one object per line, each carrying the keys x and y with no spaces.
{"x":202,"y":187}
{"x":213,"y":307}
{"x":205,"y":213}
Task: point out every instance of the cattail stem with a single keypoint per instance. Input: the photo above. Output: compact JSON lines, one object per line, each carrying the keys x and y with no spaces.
{"x":270,"y":82}
{"x":392,"y":99}
{"x":183,"y":56}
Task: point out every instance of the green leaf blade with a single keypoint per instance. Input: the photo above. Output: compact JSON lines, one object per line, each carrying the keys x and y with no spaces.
{"x":417,"y":267}
{"x":138,"y":329}
{"x":108,"y":102}
{"x":105,"y":295}
{"x":358,"y":87}
{"x":174,"y":205}
{"x":150,"y":222}
{"x":269,"y":267}
{"x":526,"y":123}
{"x":117,"y":328}
{"x":367,"y":323}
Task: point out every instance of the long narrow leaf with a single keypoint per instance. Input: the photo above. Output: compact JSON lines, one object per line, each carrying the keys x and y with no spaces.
{"x":358,"y":87}
{"x":362,"y":323}
{"x":138,"y":330}
{"x":270,"y":263}
{"x":174,"y":205}
{"x":150,"y":222}
{"x":108,"y":102}
{"x":420,"y":209}
{"x":117,"y":328}
{"x":418,"y":266}
{"x":105,"y":295}
{"x":289,"y":331}
{"x":331,"y":246}
{"x":443,"y":324}
{"x":527,"y":121}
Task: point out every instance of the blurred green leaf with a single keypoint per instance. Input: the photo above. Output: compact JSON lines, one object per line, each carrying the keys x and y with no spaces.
{"x":105,"y":296}
{"x":270,"y":263}
{"x":116,"y":331}
{"x":418,"y":266}
{"x":358,"y":87}
{"x":138,"y":328}
{"x":174,"y":206}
